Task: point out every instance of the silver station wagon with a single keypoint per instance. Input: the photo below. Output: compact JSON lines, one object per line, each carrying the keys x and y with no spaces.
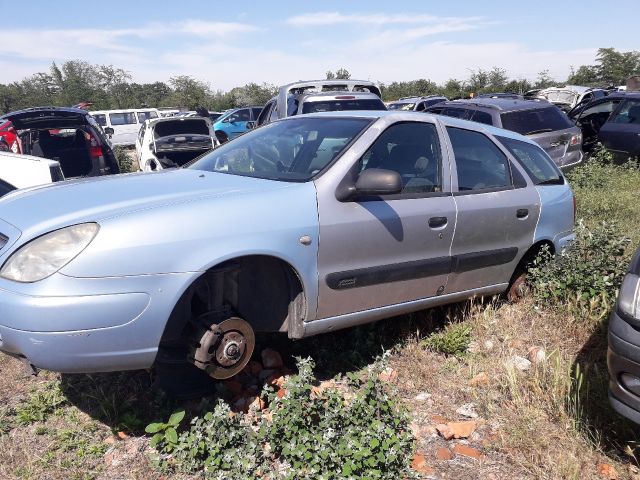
{"x":307,"y":225}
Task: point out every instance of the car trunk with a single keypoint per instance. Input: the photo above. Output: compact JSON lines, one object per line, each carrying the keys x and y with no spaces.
{"x":69,"y":146}
{"x":180,"y":141}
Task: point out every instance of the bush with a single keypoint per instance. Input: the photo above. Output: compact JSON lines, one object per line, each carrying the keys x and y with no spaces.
{"x":308,"y":433}
{"x":453,"y":340}
{"x":125,"y":163}
{"x":586,"y":276}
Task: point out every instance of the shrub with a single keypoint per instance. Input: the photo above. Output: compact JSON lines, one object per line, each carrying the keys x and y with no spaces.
{"x":586,"y":276}
{"x":125,"y":163}
{"x":41,"y":404}
{"x":453,"y":340}
{"x":309,"y":433}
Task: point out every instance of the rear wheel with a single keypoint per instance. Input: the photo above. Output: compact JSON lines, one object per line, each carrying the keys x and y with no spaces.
{"x":518,"y":287}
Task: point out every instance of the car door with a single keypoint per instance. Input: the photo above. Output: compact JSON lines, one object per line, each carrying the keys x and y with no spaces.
{"x":381,"y":251}
{"x":266,"y":111}
{"x":497,"y":212}
{"x":238,"y":122}
{"x":592,"y":118}
{"x":622,"y":132}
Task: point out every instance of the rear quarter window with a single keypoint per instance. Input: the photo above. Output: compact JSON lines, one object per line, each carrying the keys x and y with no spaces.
{"x":534,"y":160}
{"x":122,"y":118}
{"x":100,"y":119}
{"x":535,"y":120}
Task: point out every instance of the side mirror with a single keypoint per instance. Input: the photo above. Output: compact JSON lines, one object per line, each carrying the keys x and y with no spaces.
{"x":109,"y":131}
{"x":377,"y":181}
{"x":251,"y":125}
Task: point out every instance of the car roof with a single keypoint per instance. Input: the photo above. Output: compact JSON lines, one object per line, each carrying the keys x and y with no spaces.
{"x":43,"y":109}
{"x":26,"y":158}
{"x":500,"y":104}
{"x":408,"y":116}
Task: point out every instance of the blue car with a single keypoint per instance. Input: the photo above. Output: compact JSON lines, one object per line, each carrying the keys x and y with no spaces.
{"x":234,"y":122}
{"x":306,"y":225}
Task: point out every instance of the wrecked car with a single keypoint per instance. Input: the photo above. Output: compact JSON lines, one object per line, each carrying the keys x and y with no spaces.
{"x":416,"y":104}
{"x":22,"y":171}
{"x":613,"y":121}
{"x":539,"y":120}
{"x":569,"y":96}
{"x":321,"y":96}
{"x":307,"y":225}
{"x":172,"y":141}
{"x":68,"y":135}
{"x":235,"y":122}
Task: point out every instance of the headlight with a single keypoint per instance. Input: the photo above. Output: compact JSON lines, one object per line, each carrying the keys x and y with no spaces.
{"x":629,"y":297}
{"x":44,"y":256}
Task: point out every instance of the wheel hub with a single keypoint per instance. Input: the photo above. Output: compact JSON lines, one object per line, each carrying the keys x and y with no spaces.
{"x":224,"y":349}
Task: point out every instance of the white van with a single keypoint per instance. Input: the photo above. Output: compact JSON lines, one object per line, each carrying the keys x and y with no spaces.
{"x":125,"y":122}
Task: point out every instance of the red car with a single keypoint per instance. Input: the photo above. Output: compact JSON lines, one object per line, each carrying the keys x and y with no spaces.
{"x":9,"y":137}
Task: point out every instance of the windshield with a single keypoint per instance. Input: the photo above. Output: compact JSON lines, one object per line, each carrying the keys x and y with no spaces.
{"x":531,"y":121}
{"x":292,"y":150}
{"x":337,"y":105}
{"x":401,"y":106}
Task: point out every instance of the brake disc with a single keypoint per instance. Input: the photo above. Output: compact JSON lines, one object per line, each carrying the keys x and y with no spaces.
{"x":225,"y":348}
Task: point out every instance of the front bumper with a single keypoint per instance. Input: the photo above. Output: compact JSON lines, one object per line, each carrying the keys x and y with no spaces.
{"x":75,"y":325}
{"x":623,"y":357}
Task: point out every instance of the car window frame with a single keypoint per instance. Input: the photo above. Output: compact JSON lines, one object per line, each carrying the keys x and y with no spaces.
{"x":354,"y":171}
{"x":614,"y":114}
{"x":10,"y":188}
{"x":454,"y":166}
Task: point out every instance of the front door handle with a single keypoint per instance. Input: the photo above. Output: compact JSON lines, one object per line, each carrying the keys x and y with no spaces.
{"x":437,"y":222}
{"x":522,"y":213}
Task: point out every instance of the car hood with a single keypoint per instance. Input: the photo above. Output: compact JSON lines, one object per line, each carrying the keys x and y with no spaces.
{"x":42,"y":209}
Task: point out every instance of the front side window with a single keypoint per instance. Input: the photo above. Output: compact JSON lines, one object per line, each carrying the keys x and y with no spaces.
{"x":292,"y":150}
{"x":413,"y":150}
{"x":535,"y":161}
{"x":339,"y":105}
{"x":457,"y":112}
{"x":535,"y":120}
{"x":243,"y":115}
{"x":122,"y":118}
{"x":101,"y":119}
{"x":601,"y":108}
{"x":482,"y":117}
{"x":479,"y":162}
{"x":629,"y":113}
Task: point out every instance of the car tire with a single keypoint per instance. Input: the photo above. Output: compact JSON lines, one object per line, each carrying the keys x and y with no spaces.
{"x":222,"y":137}
{"x":518,"y":287}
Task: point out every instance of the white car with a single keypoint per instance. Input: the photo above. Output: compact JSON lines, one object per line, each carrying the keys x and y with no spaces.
{"x":123,"y":125}
{"x":172,"y":141}
{"x":22,"y":171}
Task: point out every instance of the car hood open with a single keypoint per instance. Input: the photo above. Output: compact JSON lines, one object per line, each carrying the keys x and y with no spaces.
{"x":41,"y":209}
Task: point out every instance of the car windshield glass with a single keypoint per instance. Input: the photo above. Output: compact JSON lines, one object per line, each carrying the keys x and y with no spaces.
{"x":337,"y":105}
{"x":180,"y":127}
{"x":401,"y":106}
{"x":535,"y":120}
{"x":292,"y":150}
{"x":535,"y":161}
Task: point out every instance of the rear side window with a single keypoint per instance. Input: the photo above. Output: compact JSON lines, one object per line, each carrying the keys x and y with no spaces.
{"x":538,"y":120}
{"x":142,"y":116}
{"x":535,"y":161}
{"x":479,"y":162}
{"x":457,"y":112}
{"x":5,"y":188}
{"x":339,"y":105}
{"x":629,"y":113}
{"x":122,"y":118}
{"x":100,"y":119}
{"x":482,"y":117}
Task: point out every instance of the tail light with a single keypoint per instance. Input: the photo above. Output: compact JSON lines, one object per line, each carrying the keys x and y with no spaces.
{"x":576,"y":140}
{"x":95,"y":148}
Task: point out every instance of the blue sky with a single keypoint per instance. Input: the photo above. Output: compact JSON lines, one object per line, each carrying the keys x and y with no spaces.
{"x":230,"y":43}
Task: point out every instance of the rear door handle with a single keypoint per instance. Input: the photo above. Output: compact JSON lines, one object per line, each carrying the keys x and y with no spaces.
{"x":522,"y":213}
{"x":436,"y":222}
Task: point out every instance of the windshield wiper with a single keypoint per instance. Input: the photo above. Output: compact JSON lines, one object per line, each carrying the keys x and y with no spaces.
{"x":542,"y":130}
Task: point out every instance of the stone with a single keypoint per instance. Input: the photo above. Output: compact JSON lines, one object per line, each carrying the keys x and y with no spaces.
{"x":462,"y":429}
{"x":444,"y":454}
{"x":474,"y":347}
{"x":519,"y":363}
{"x":110,"y":440}
{"x":488,"y":345}
{"x":122,"y":436}
{"x":467,"y":451}
{"x":481,"y":379}
{"x":419,"y":464}
{"x":536,"y":355}
{"x":445,"y":431}
{"x":388,"y":375}
{"x":257,"y":405}
{"x":606,"y":470}
{"x":281,"y":393}
{"x":467,"y":410}
{"x":271,"y":359}
{"x":422,"y":397}
{"x":438,"y":419}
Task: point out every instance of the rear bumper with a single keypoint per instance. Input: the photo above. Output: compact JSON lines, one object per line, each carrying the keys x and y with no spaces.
{"x":571,"y":159}
{"x":623,"y":357}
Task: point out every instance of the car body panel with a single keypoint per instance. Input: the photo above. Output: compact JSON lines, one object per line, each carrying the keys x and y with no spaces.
{"x":234,"y":122}
{"x":23,"y":171}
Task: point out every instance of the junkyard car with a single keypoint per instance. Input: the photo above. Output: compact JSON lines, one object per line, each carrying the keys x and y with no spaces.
{"x":541,"y":121}
{"x":22,"y":171}
{"x":416,"y":104}
{"x":624,"y":346}
{"x":321,"y":96}
{"x":613,"y":121}
{"x":68,"y":135}
{"x":235,"y":122}
{"x":172,"y":141}
{"x":307,"y":225}
{"x":569,"y":96}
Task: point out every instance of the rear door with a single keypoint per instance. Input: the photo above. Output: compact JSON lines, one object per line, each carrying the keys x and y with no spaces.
{"x":497,"y":212}
{"x":387,"y":250}
{"x":622,"y":132}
